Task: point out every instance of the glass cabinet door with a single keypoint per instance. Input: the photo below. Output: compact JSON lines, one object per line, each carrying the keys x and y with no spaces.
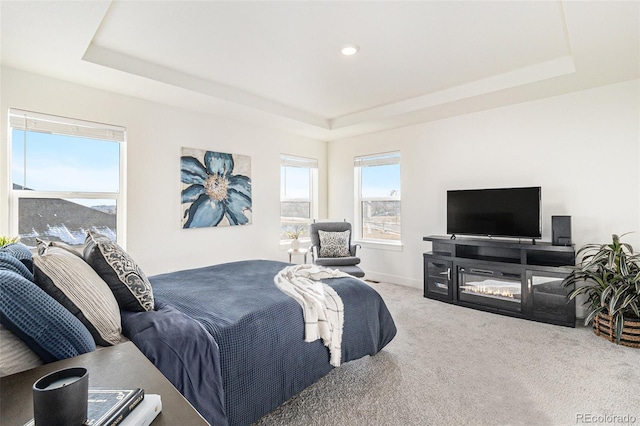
{"x":437,"y":282}
{"x":549,"y":300}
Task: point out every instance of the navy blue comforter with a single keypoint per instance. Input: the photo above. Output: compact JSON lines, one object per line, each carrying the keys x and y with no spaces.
{"x":253,"y":356}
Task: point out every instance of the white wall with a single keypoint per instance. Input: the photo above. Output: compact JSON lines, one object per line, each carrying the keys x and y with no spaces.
{"x":582,"y":148}
{"x":155,"y":135}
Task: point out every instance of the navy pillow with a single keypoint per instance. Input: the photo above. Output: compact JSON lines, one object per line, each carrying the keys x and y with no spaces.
{"x":20,"y":252}
{"x":42,"y":323}
{"x":10,"y":263}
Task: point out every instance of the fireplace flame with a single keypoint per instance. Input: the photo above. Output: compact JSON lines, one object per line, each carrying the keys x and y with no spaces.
{"x":488,"y":291}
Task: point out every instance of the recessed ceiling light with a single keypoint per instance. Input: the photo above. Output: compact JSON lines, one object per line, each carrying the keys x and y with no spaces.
{"x":349,"y":49}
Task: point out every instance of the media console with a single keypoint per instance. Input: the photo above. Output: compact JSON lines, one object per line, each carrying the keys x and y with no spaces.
{"x":518,"y":279}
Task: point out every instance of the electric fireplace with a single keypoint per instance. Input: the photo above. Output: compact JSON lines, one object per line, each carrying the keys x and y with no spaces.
{"x":486,"y":287}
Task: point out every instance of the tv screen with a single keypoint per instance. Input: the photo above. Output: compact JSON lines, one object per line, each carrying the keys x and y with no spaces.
{"x":504,"y":212}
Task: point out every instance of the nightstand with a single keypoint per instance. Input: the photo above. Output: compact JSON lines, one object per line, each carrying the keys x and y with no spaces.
{"x":301,"y":252}
{"x":120,"y":366}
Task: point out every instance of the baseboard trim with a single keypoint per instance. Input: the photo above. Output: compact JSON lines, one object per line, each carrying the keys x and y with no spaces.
{"x":393,"y":279}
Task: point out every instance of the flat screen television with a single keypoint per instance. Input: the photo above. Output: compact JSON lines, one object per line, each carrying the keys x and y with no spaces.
{"x":501,"y":212}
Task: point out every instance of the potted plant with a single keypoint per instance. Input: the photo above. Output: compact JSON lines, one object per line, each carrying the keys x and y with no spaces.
{"x":610,"y":274}
{"x":294,"y":236}
{"x":4,"y":241}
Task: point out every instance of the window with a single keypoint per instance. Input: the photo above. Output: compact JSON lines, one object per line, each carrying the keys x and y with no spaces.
{"x":67,"y":176}
{"x":377,"y":180}
{"x":298,"y":192}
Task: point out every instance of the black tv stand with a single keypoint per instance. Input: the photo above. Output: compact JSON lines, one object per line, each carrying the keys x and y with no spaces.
{"x":515,"y":278}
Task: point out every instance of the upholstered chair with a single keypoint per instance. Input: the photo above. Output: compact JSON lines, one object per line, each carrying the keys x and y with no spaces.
{"x":331,"y":247}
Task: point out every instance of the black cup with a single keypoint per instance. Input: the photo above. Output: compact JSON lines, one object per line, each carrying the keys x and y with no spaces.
{"x":60,"y":398}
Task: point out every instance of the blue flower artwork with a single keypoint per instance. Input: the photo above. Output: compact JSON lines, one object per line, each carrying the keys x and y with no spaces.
{"x":216,"y":188}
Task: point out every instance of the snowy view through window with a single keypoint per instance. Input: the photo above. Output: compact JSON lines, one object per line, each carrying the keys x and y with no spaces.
{"x":380,"y":202}
{"x":295,"y":200}
{"x":65,"y":220}
{"x":64,"y":186}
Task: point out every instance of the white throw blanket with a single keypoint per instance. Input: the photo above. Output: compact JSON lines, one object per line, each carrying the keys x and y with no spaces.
{"x":322,"y":308}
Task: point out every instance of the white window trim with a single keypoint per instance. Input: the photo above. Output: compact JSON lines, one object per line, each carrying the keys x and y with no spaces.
{"x":364,"y":161}
{"x":312,"y":164}
{"x":380,"y":244}
{"x":19,"y":119}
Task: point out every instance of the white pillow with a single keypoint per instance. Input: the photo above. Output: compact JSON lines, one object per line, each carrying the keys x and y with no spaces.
{"x":15,"y":355}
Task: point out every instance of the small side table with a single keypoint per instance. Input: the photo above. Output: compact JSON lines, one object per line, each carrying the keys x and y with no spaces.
{"x":301,"y":251}
{"x":119,"y":366}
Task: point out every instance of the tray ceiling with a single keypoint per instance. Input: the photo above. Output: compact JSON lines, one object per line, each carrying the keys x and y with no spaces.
{"x":278,"y":63}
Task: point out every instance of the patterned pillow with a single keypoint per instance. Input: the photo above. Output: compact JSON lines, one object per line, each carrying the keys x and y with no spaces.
{"x":128,"y":283}
{"x":43,"y":324}
{"x":69,"y":280}
{"x":334,"y":244}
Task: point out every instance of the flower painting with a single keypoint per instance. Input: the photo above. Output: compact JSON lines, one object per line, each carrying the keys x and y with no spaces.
{"x":216,"y":188}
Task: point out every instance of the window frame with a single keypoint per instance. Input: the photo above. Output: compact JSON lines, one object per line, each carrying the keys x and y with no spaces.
{"x":380,"y":159}
{"x":287,"y":160}
{"x":49,"y":123}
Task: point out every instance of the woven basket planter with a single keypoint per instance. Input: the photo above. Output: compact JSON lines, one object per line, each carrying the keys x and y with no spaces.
{"x":603,"y":326}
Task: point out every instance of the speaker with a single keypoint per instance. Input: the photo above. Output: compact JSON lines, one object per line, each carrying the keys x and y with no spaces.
{"x":561,"y":230}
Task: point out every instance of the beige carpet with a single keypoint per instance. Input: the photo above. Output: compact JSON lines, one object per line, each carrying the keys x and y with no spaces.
{"x":450,"y":365}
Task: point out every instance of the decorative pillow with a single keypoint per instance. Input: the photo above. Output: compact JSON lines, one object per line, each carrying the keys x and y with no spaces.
{"x":20,"y":252}
{"x":334,"y":244}
{"x":43,"y":324}
{"x":44,"y":245}
{"x":10,"y":263}
{"x":15,"y":355}
{"x":128,"y":283}
{"x":69,"y":280}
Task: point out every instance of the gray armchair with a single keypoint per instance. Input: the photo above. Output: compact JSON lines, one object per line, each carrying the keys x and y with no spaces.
{"x":346,"y":261}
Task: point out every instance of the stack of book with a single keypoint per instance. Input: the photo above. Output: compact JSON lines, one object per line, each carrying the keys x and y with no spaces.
{"x":124,"y":407}
{"x":120,"y":407}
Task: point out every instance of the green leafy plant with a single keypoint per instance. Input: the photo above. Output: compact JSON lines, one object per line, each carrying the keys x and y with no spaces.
{"x":611,"y":277}
{"x":296,"y":233}
{"x":7,"y":240}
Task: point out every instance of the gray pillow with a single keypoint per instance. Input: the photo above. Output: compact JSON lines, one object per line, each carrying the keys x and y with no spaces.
{"x":128,"y":283}
{"x":69,"y":280}
{"x":334,"y":244}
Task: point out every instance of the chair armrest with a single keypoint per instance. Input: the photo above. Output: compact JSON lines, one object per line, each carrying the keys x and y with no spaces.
{"x":314,"y":249}
{"x":353,"y":249}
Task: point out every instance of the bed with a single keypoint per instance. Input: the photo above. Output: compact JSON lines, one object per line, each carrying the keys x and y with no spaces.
{"x":233,"y":344}
{"x":226,"y":336}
